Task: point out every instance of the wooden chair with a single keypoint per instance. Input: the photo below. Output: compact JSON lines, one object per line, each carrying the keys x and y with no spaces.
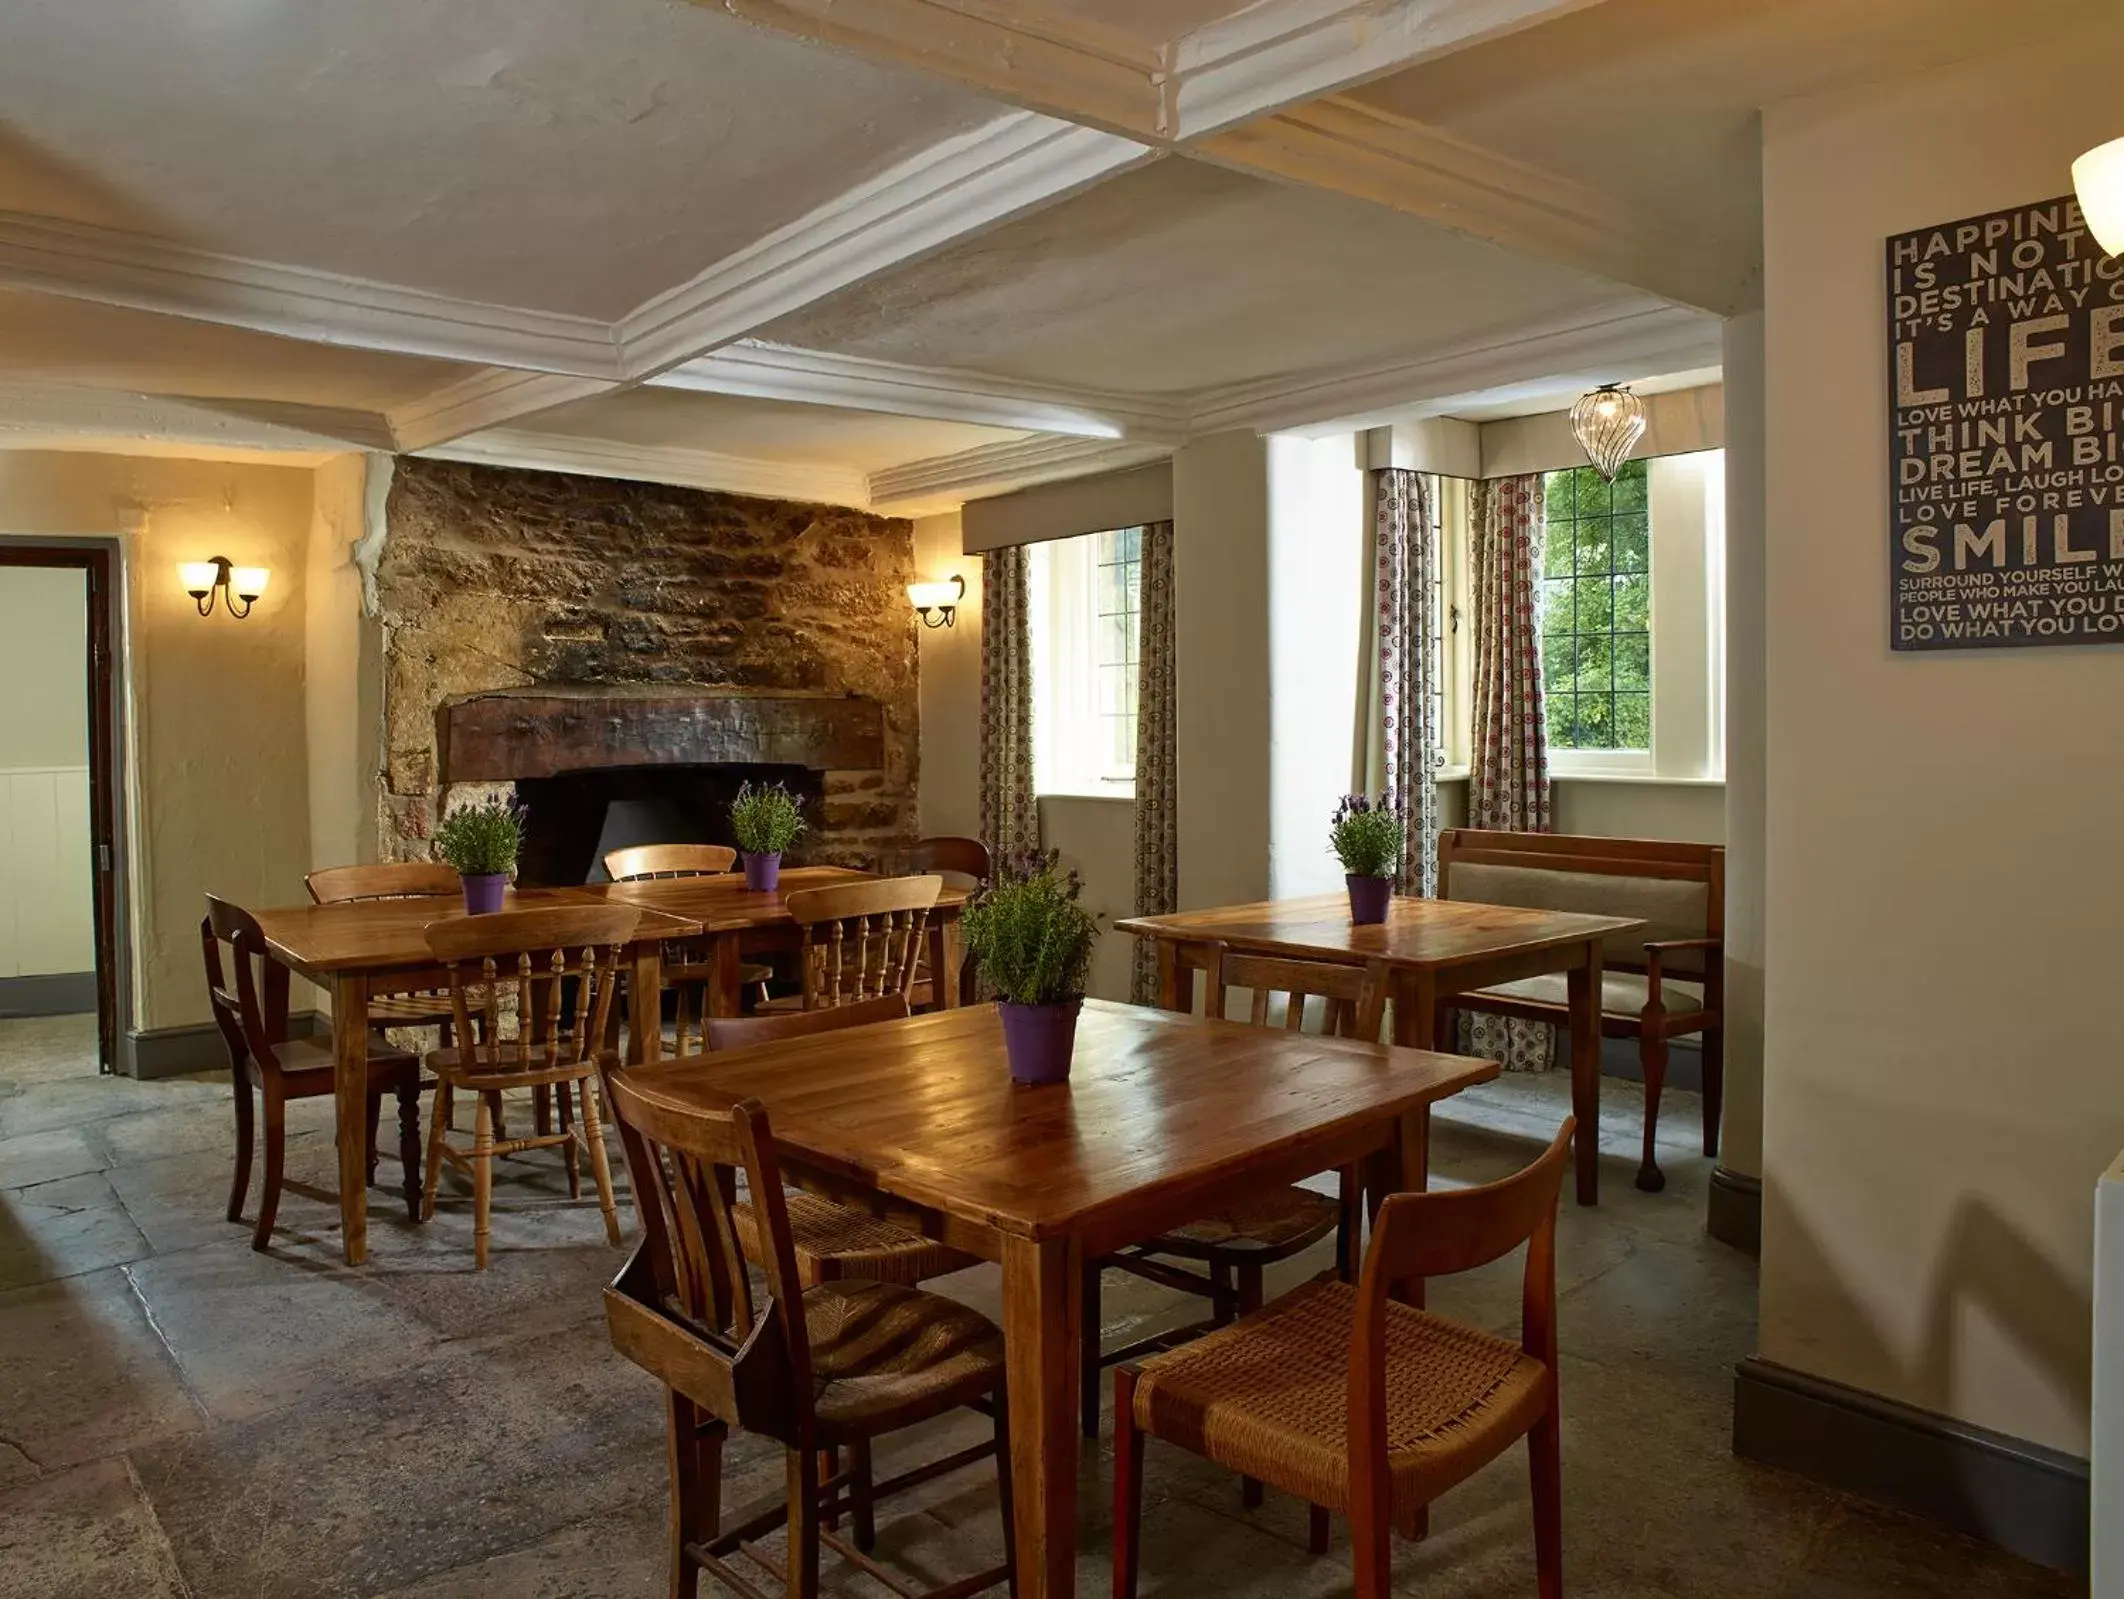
{"x":1664,"y":982}
{"x":950,"y":857}
{"x":836,"y":1240}
{"x":686,"y":972}
{"x":821,"y":1369}
{"x":1358,"y":1404}
{"x":252,"y":1014}
{"x":539,"y":949}
{"x":859,"y":940}
{"x":1233,"y":1247}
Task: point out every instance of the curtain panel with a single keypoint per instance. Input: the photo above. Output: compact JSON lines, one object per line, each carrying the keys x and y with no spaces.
{"x":1405,"y":552}
{"x":1010,"y":817}
{"x":1157,"y":805}
{"x":1508,"y":784}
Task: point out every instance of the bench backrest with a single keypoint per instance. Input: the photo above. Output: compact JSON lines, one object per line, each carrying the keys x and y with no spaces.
{"x":1677,"y":890}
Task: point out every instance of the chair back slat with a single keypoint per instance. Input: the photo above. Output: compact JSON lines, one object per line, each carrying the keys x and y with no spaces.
{"x":337,"y":885}
{"x":685,"y":1164}
{"x":252,"y":1010}
{"x":641,"y":861}
{"x":533,"y":955}
{"x":862,"y":940}
{"x":741,"y":1032}
{"x":1353,"y":998}
{"x":961,"y":857}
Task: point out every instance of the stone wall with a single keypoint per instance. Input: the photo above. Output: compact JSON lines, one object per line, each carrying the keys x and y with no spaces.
{"x":495,"y":578}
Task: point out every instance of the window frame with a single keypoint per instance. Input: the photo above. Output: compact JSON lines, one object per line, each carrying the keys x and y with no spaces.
{"x":1073,"y":737}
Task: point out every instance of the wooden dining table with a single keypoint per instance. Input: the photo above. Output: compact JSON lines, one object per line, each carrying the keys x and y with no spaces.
{"x":1433,"y":949}
{"x":1165,"y":1118}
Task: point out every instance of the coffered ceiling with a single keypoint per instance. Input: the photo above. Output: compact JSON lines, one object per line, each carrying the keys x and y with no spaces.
{"x":898,"y":253}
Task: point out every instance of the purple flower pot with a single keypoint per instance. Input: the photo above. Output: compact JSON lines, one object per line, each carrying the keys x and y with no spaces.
{"x":1040,"y":1040}
{"x":483,"y":891}
{"x":1369,"y":899}
{"x":763,"y":872}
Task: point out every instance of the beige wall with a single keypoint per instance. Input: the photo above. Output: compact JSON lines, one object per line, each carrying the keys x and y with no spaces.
{"x":43,"y":676}
{"x":217,"y":743}
{"x":1942,"y":1082}
{"x":949,"y":801}
{"x":343,"y":668}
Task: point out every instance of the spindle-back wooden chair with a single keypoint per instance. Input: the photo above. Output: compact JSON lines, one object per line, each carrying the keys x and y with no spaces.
{"x":861,"y":940}
{"x":687,"y":973}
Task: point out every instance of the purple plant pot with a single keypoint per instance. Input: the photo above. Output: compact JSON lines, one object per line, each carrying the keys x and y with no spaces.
{"x":763,"y":872}
{"x":1369,"y":899}
{"x":1040,"y":1040}
{"x":483,"y":892}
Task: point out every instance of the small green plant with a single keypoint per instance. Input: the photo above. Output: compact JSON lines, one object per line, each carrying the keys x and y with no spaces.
{"x":1031,"y":936}
{"x":765,"y":818}
{"x":482,"y":840}
{"x":1367,"y":838}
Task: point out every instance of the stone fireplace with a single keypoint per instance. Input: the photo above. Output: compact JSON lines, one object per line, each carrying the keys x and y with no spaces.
{"x":620,"y":656}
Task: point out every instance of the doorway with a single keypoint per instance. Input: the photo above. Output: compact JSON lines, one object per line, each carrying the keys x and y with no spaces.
{"x":60,"y":842}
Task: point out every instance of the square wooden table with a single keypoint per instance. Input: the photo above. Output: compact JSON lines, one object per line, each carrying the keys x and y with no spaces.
{"x":1164,"y":1119}
{"x":733,"y":922}
{"x":1435,"y":949}
{"x":372,"y":947}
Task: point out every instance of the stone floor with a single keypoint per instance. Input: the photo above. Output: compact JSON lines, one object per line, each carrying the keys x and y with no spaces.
{"x":181,"y":1416}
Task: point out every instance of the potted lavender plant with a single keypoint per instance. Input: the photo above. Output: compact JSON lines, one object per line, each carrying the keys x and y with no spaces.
{"x":765,"y":820}
{"x":482,"y":841}
{"x":1367,"y":838}
{"x":1033,"y":941}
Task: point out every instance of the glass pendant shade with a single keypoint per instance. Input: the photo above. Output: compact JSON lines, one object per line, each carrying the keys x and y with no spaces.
{"x":2098,"y":179}
{"x":1607,"y":424}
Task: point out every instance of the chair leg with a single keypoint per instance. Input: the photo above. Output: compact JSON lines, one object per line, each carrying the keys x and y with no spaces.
{"x":542,"y":1111}
{"x":1652,"y":1053}
{"x":438,"y":1127}
{"x":1545,"y":1457}
{"x":862,"y":1502}
{"x":482,"y":1178}
{"x":1128,"y":1484}
{"x":1003,"y":1491}
{"x":696,"y":1457}
{"x":276,"y":1148}
{"x":242,"y":1182}
{"x":803,"y":1554}
{"x":409,"y":1143}
{"x":444,"y":1032}
{"x":1088,"y":1367}
{"x":1224,"y":1300}
{"x":375,"y":1119}
{"x":1372,"y":1551}
{"x":1317,"y":1529}
{"x":592,"y":1136}
{"x":1250,"y":1494}
{"x":572,"y":1149}
{"x":1349,"y":1230}
{"x":1714,"y":1086}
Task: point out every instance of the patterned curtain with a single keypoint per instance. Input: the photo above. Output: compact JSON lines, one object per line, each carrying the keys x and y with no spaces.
{"x":1010,"y":819}
{"x":1157,"y":805}
{"x":1508,"y":785}
{"x":1406,"y":552}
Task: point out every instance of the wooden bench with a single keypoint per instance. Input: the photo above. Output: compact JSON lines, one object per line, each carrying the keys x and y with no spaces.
{"x":1663,"y":982}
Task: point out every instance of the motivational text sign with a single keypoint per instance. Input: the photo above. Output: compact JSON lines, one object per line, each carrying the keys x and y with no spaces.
{"x":2006,"y":372}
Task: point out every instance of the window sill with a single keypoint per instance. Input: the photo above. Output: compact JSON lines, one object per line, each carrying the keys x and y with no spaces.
{"x":1118,"y":794}
{"x":1460,"y":774}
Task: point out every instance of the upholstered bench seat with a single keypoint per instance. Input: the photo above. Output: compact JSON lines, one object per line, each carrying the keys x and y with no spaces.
{"x":1621,"y":993}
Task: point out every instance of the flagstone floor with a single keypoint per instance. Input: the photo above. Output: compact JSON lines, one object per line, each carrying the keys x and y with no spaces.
{"x":181,"y":1416}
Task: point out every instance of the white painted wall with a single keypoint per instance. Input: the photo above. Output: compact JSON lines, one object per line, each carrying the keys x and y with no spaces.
{"x":43,"y":670}
{"x":343,"y":670}
{"x":47,"y":896}
{"x":1942,"y":1033}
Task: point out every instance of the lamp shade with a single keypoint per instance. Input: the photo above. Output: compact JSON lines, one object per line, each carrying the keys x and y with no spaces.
{"x":249,"y":581}
{"x":932,"y":596}
{"x":1607,"y":424}
{"x":198,"y":576}
{"x":2098,"y":178}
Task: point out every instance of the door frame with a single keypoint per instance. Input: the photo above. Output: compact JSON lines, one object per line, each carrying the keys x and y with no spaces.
{"x":98,"y":560}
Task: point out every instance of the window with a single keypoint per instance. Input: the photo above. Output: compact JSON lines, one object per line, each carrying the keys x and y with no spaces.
{"x":1596,"y":609}
{"x":1083,"y":598}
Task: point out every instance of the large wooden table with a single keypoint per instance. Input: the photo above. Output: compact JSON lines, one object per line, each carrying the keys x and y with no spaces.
{"x":731,"y":921}
{"x":1434,"y":950}
{"x":1165,"y":1118}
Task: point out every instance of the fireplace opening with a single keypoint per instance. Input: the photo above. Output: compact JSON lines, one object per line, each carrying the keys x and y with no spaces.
{"x":575,"y":818}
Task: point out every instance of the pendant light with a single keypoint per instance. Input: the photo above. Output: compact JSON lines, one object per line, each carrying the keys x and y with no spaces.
{"x":1607,"y":424}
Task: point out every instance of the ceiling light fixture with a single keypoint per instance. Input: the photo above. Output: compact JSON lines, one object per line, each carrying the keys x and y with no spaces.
{"x":204,"y":580}
{"x":2098,"y":179}
{"x":1607,"y":424}
{"x":942,"y":598}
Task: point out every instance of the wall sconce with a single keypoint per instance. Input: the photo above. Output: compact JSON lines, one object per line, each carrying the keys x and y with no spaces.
{"x":2098,"y":179}
{"x":204,"y":579}
{"x":942,"y":598}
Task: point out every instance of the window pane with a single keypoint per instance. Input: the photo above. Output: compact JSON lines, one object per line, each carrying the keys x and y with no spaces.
{"x":1596,"y":722}
{"x":1633,"y":604}
{"x":1596,"y":609}
{"x":1632,"y":541}
{"x":1593,"y":545}
{"x":1631,"y":486}
{"x":1633,"y":721}
{"x":1595,"y":664}
{"x":1633,"y":661}
{"x":1595,"y":605}
{"x":1559,"y":661}
{"x":1562,"y":707}
{"x":1556,"y":550}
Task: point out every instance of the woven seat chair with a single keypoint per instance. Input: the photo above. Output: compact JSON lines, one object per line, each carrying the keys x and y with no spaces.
{"x":859,"y":940}
{"x":823,"y":1370}
{"x":252,"y":1015}
{"x":531,"y":954}
{"x":950,"y":857}
{"x":687,"y":973}
{"x":1361,"y":1405}
{"x":836,"y":1240}
{"x":1234,"y":1246}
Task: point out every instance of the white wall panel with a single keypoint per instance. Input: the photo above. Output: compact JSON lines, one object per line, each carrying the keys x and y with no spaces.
{"x":47,"y":921}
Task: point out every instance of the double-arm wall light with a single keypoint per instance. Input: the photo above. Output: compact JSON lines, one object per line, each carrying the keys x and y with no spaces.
{"x":2098,"y":179}
{"x":203,"y":580}
{"x":937,"y":604}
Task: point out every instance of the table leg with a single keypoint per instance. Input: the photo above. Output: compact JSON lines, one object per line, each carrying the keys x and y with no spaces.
{"x":1585,"y":1071}
{"x":1175,"y":982}
{"x":1416,"y":1009}
{"x":350,"y":1093}
{"x":725,"y":996}
{"x":1043,"y":1312}
{"x":947,"y":955}
{"x":645,"y":1004}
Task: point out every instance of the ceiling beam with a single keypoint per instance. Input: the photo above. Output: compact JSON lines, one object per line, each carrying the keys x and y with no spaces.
{"x":998,"y":468}
{"x":485,"y":399}
{"x":1352,"y":148}
{"x":37,"y":415}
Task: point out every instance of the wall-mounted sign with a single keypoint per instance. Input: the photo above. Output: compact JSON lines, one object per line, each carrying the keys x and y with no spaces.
{"x":2006,"y":433}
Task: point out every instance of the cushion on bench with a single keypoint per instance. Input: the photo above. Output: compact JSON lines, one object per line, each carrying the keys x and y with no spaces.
{"x":1621,"y":993}
{"x":1669,"y":907}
